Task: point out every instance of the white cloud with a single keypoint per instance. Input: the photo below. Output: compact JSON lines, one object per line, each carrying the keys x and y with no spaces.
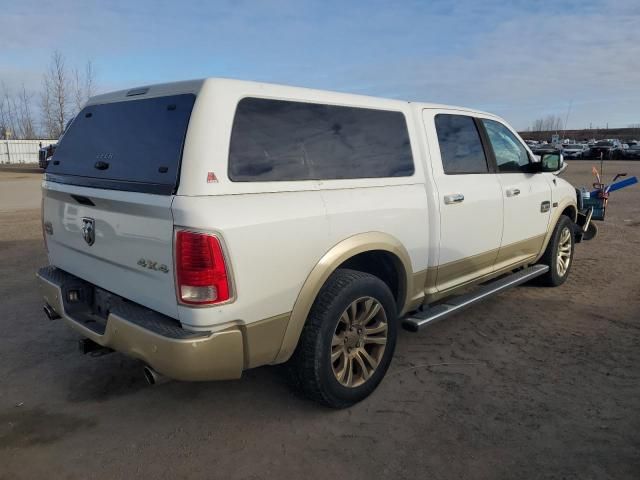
{"x":528,"y":66}
{"x":519,"y":59}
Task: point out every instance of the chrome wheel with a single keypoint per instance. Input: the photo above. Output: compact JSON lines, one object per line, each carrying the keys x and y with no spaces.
{"x":359,"y":341}
{"x":564,"y":252}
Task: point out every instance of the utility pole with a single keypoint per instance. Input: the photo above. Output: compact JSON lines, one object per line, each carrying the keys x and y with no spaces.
{"x":566,"y":119}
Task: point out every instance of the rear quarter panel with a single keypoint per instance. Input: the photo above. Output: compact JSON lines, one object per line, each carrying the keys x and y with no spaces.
{"x":272,"y":242}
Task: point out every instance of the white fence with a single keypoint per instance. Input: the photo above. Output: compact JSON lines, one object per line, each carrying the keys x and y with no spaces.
{"x":21,"y":151}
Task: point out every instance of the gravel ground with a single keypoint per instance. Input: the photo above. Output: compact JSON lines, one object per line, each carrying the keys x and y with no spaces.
{"x":19,"y":190}
{"x":534,"y":383}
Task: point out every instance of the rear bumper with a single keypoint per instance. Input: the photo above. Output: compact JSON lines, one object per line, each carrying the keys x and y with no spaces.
{"x":149,"y":336}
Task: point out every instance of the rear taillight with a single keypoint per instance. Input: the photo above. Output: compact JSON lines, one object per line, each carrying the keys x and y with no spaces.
{"x":202,"y":277}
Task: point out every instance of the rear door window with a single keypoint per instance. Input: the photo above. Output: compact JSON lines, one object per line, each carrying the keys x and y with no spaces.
{"x":460,"y":145}
{"x":276,"y":140}
{"x":132,"y":145}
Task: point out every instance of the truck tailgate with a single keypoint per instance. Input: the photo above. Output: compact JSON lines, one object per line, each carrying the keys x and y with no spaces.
{"x":130,"y":252}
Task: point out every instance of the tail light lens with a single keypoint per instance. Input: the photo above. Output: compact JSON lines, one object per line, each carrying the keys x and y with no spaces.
{"x":202,"y":277}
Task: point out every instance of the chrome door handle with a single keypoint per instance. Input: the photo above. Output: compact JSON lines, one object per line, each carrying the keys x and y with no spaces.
{"x":512,"y":192}
{"x":453,"y":198}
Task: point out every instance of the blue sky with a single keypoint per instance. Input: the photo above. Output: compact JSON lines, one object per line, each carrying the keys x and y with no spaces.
{"x":519,"y":59}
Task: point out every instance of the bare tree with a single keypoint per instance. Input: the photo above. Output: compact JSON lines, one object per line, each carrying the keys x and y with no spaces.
{"x":26,"y":123}
{"x":547,"y":124}
{"x":89,"y":80}
{"x":83,"y":85}
{"x":54,"y":98}
{"x":16,"y":119}
{"x":7,"y":117}
{"x":554,"y":122}
{"x":46,"y":106}
{"x":537,"y":125}
{"x":64,"y":93}
{"x":77,"y":90}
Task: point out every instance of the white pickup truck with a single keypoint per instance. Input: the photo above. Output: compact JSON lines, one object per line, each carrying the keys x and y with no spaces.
{"x":211,"y":226}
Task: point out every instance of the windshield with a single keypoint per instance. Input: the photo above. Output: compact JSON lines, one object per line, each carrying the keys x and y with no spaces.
{"x":604,"y":144}
{"x":133,"y":145}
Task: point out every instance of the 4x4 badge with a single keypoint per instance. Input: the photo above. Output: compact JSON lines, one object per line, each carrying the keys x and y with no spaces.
{"x":151,"y":265}
{"x":88,"y":230}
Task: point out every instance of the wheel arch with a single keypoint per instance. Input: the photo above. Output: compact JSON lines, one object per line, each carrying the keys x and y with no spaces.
{"x":570,"y":211}
{"x":351,"y":252}
{"x":567,"y":208}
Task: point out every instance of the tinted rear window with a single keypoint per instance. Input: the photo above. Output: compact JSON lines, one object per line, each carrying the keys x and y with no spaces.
{"x":133,"y":145}
{"x":275,"y":140}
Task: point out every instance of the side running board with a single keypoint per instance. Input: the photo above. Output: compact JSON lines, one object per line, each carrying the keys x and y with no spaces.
{"x":438,"y":312}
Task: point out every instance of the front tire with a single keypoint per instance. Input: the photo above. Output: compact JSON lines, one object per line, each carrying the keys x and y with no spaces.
{"x":347,"y":343}
{"x":559,"y":254}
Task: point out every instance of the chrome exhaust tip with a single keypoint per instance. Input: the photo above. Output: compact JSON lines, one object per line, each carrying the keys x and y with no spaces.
{"x":152,"y":377}
{"x":50,"y":312}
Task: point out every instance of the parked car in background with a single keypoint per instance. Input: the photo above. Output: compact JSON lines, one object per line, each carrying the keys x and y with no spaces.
{"x":545,"y":149}
{"x":575,"y":150}
{"x":633,"y":152}
{"x":45,"y":154}
{"x":606,"y":149}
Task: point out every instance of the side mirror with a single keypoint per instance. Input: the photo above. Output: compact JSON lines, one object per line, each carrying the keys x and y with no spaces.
{"x":552,"y":162}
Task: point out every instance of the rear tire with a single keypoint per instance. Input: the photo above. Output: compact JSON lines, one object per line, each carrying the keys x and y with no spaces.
{"x":348,"y":340}
{"x":559,"y":254}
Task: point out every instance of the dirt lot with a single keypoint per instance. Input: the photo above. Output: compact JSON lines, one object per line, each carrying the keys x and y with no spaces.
{"x":19,"y":189}
{"x":535,"y":383}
